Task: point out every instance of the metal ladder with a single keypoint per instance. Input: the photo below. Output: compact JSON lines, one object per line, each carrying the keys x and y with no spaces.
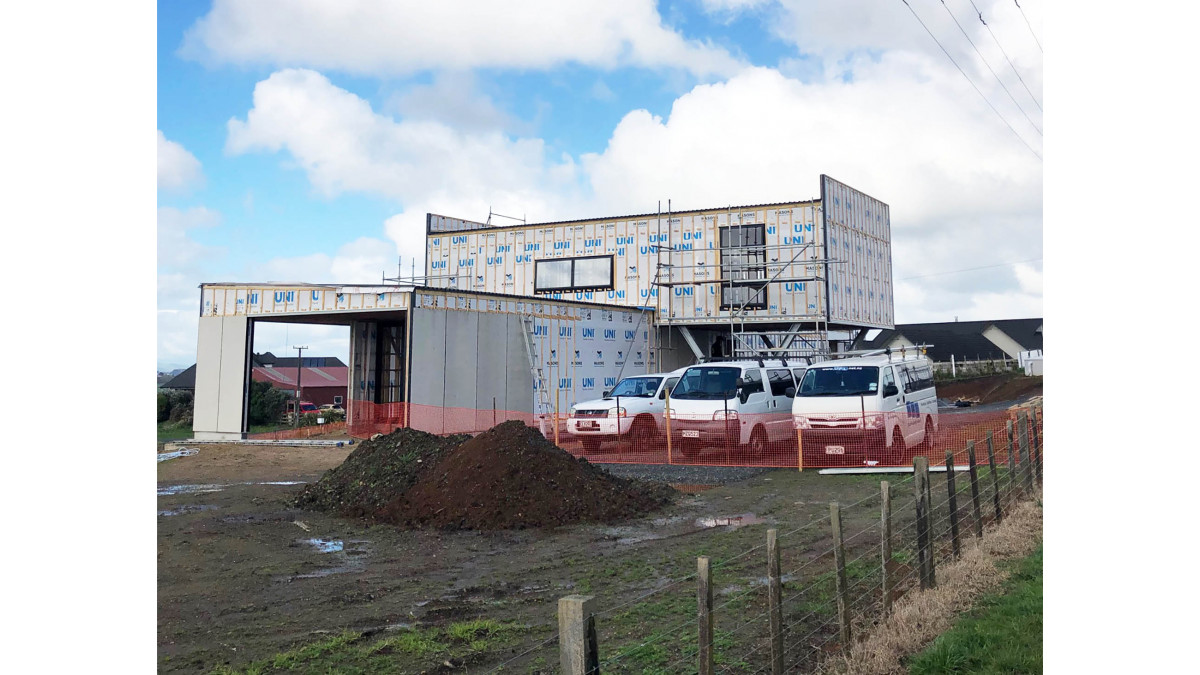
{"x":535,"y":367}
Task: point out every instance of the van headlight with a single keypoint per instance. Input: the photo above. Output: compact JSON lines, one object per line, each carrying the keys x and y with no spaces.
{"x":725,"y":415}
{"x":874,"y":422}
{"x":800,"y":422}
{"x":616,"y":412}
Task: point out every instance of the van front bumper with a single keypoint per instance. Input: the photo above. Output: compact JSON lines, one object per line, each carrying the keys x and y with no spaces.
{"x":860,"y":444}
{"x":598,"y":426}
{"x":706,"y":432}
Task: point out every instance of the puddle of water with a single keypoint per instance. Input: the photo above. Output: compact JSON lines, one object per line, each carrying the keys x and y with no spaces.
{"x":729,"y":521}
{"x":186,"y":509}
{"x":630,"y":535}
{"x":183,"y":452}
{"x":189,"y":489}
{"x":325,"y":545}
{"x":217,"y":487}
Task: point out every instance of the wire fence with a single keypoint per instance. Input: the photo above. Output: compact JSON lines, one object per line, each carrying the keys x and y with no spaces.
{"x":831,"y":589}
{"x":622,"y":435}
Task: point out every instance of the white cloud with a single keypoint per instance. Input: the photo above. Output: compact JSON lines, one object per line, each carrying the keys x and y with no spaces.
{"x":176,"y":249}
{"x":452,"y":99}
{"x":402,"y":37}
{"x":178,"y":169}
{"x":731,"y":6}
{"x":361,"y":261}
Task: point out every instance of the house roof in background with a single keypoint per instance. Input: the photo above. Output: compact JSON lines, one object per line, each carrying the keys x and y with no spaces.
{"x":184,"y":380}
{"x":963,"y":339}
{"x":285,"y":378}
{"x":269,"y":359}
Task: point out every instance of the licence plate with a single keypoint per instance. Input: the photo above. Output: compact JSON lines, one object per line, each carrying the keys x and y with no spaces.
{"x":589,"y":425}
{"x":835,"y":449}
{"x":691,"y":433}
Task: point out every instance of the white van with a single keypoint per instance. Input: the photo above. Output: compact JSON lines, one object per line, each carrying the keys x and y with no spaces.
{"x":733,"y":404}
{"x":867,"y":409}
{"x":633,"y":410}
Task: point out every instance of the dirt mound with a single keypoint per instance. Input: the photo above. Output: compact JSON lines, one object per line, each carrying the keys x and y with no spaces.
{"x":376,"y":472}
{"x":991,"y":389}
{"x":511,"y":477}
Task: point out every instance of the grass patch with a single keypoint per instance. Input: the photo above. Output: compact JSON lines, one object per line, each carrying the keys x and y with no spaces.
{"x":419,"y":650}
{"x":1003,"y":634}
{"x":173,"y":431}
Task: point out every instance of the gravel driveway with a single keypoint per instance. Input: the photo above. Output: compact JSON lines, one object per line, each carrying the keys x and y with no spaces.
{"x":687,"y":475}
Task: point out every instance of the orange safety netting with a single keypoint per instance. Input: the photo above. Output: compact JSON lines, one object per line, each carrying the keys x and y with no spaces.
{"x":302,"y":432}
{"x":852,"y":439}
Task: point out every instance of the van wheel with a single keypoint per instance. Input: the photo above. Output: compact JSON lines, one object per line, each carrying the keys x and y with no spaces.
{"x":899,"y":451}
{"x":591,"y":444}
{"x":930,"y":440}
{"x":758,"y":443}
{"x":641,"y":435}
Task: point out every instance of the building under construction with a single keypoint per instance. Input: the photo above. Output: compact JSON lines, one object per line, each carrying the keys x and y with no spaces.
{"x":524,"y":320}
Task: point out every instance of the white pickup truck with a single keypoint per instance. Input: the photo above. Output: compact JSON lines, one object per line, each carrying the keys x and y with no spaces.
{"x":632,"y":410}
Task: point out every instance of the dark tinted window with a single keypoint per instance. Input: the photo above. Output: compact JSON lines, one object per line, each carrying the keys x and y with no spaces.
{"x":840,"y":381}
{"x":712,"y":382}
{"x":780,"y":380}
{"x":753,"y":381}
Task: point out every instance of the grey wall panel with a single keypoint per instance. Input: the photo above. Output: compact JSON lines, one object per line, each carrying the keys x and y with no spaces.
{"x":428,"y":356}
{"x":462,"y":359}
{"x":518,"y":381}
{"x":491,"y":366}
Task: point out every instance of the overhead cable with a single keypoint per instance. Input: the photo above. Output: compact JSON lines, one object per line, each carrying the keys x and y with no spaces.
{"x":969,"y":80}
{"x":989,"y":67}
{"x":1039,"y":43}
{"x":1010,"y":63}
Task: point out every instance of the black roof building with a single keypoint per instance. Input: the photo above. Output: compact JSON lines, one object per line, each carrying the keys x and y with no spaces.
{"x":965,"y":340}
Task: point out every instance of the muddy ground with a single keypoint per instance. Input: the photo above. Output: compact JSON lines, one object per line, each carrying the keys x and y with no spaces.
{"x":243,"y":576}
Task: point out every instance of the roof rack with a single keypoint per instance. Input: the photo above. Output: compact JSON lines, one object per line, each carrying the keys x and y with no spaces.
{"x":917,"y":350}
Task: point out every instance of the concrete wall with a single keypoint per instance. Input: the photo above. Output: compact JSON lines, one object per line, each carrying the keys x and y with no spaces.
{"x":462,"y":362}
{"x":222,"y":351}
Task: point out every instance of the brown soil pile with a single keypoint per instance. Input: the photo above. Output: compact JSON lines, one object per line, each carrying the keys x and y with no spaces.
{"x":376,"y":472}
{"x":991,"y":389}
{"x":511,"y":477}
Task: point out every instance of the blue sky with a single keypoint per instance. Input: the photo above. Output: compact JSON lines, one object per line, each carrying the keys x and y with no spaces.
{"x":304,"y":141}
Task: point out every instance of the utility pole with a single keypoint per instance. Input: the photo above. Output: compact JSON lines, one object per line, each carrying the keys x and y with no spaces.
{"x":296,"y":404}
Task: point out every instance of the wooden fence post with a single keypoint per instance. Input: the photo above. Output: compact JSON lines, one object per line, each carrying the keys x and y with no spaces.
{"x":885,"y":516}
{"x":775,"y":602}
{"x":1012,"y":459}
{"x":977,"y":512}
{"x":1036,"y":444}
{"x":1023,"y":451}
{"x":839,"y":560}
{"x":924,"y":559}
{"x":953,"y":499}
{"x":704,"y":597}
{"x":577,"y":646}
{"x":995,"y":478}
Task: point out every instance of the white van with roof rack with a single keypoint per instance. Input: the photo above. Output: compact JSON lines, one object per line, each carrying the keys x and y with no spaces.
{"x":633,"y":409}
{"x":868,"y":408}
{"x":744,"y":404}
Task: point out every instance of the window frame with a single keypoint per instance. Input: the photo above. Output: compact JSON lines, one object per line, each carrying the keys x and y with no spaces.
{"x":757,"y":286}
{"x":772,"y":379}
{"x":572,"y":287}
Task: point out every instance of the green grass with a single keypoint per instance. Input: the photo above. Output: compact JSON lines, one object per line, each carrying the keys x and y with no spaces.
{"x":1003,"y":634}
{"x":406,"y":651}
{"x":169,"y":431}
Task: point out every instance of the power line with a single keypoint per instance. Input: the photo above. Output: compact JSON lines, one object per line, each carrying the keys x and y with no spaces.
{"x":972,"y":83}
{"x":1039,"y":43}
{"x":972,"y":269}
{"x":989,"y":67}
{"x":1010,"y":63}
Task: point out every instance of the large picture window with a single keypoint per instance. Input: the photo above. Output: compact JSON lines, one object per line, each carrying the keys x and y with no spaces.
{"x":594,"y":273}
{"x":744,"y":266}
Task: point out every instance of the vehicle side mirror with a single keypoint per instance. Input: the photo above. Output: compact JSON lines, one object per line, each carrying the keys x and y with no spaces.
{"x":740,"y":383}
{"x":890,"y":390}
{"x":790,"y":392}
{"x":606,"y":393}
{"x":743,"y":395}
{"x":662,"y":395}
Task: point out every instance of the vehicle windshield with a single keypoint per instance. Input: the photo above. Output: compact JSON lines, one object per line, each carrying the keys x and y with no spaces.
{"x":641,"y":387}
{"x":840,"y":381}
{"x":707,"y":383}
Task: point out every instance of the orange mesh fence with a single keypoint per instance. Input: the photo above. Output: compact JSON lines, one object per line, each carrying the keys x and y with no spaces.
{"x":850,"y":439}
{"x":302,"y":432}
